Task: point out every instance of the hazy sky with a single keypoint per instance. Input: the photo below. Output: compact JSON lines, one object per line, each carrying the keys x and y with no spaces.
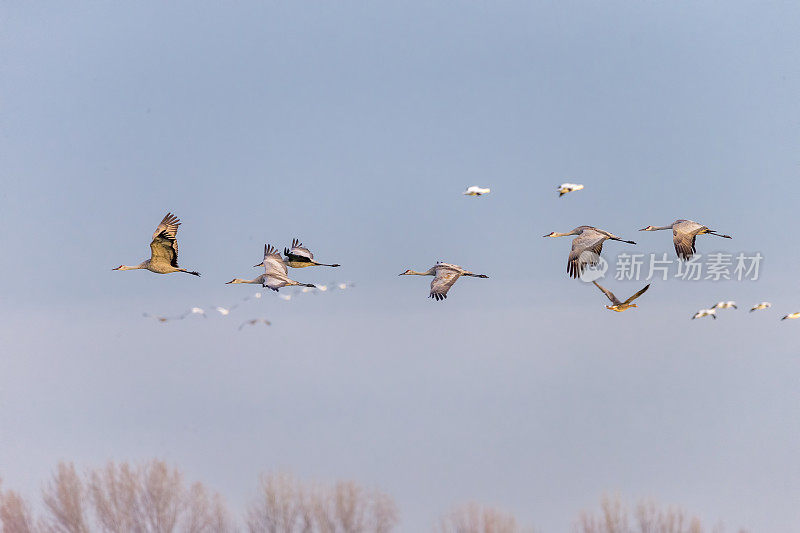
{"x":355,"y":126}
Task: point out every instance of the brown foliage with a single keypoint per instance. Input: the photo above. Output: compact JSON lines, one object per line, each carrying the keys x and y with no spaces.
{"x":476,"y":518}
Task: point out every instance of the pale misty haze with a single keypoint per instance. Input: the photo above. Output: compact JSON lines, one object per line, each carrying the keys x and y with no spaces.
{"x":355,"y":127}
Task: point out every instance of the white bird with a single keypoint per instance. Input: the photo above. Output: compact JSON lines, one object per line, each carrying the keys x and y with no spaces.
{"x":684,"y":233}
{"x":343,"y":286}
{"x":791,"y":316}
{"x":586,"y":247}
{"x":706,"y":312}
{"x":195,"y":311}
{"x":322,"y":288}
{"x":225,"y":311}
{"x":445,"y":276}
{"x":285,"y":297}
{"x":276,"y":275}
{"x":564,"y":188}
{"x":163,"y":250}
{"x":759,"y":307}
{"x":305,"y":290}
{"x":254,"y":321}
{"x":300,"y":257}
{"x":725,"y":305}
{"x":476,"y":191}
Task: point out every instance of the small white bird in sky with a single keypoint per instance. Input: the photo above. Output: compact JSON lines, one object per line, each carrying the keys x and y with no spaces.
{"x":759,"y":307}
{"x":343,"y":286}
{"x":564,"y":188}
{"x":477,"y":191}
{"x":225,"y":311}
{"x":706,"y":312}
{"x":285,"y":297}
{"x":791,"y":316}
{"x":196,"y":311}
{"x":725,"y":305}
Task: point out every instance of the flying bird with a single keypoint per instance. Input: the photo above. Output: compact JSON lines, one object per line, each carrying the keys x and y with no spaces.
{"x":163,"y":250}
{"x":162,"y":319}
{"x":195,"y":311}
{"x":445,"y":275}
{"x":791,"y":316}
{"x":684,"y":233}
{"x":759,"y":307}
{"x":725,"y":305}
{"x":586,"y":247}
{"x":706,"y":312}
{"x":225,"y":311}
{"x":300,"y":257}
{"x":616,"y":304}
{"x":345,"y":285}
{"x":476,"y":191}
{"x":564,"y":188}
{"x":276,"y":273}
{"x":254,"y":321}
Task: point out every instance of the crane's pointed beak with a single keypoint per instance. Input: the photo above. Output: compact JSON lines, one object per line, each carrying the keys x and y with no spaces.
{"x":259,"y":265}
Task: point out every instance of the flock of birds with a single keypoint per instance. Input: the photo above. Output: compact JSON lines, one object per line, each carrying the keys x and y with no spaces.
{"x":585,"y":252}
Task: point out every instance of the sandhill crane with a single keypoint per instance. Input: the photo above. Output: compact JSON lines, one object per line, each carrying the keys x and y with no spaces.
{"x":586,"y":247}
{"x":163,"y":250}
{"x":299,"y":257}
{"x":684,"y":233}
{"x":759,"y":307}
{"x":476,"y":191}
{"x":706,"y":312}
{"x":791,"y":316}
{"x":564,"y":188}
{"x":445,"y":275}
{"x":617,"y":305}
{"x":276,"y":275}
{"x":725,"y":305}
{"x":254,"y":321}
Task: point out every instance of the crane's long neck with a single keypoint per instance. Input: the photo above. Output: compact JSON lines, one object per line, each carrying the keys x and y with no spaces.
{"x":430,"y":272}
{"x":656,"y":228}
{"x":143,"y":264}
{"x":557,"y":234}
{"x":236,"y":281}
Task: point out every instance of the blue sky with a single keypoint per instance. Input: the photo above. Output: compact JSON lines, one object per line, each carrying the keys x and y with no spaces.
{"x":355,"y":128}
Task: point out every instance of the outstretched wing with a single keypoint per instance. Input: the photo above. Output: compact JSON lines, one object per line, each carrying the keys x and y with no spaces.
{"x":298,"y":252}
{"x":586,"y":249}
{"x":273,"y":264}
{"x":684,"y":233}
{"x":164,"y":244}
{"x":608,"y":293}
{"x":632,"y":298}
{"x":441,"y":283}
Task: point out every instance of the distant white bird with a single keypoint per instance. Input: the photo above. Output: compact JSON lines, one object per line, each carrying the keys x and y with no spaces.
{"x":163,"y":250}
{"x":564,"y":188}
{"x":285,"y":297}
{"x":477,"y":191}
{"x":195,"y":311}
{"x":725,"y":305}
{"x":276,"y":275}
{"x":445,"y":276}
{"x":706,"y":312}
{"x":791,"y":316}
{"x":343,"y":286}
{"x":225,"y":311}
{"x":300,"y":257}
{"x":684,"y":233}
{"x":586,"y":247}
{"x":322,"y":288}
{"x":254,"y":321}
{"x":759,"y":307}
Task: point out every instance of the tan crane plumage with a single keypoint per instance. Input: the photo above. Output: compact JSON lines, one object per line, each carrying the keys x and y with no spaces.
{"x":163,"y":250}
{"x":684,"y":233}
